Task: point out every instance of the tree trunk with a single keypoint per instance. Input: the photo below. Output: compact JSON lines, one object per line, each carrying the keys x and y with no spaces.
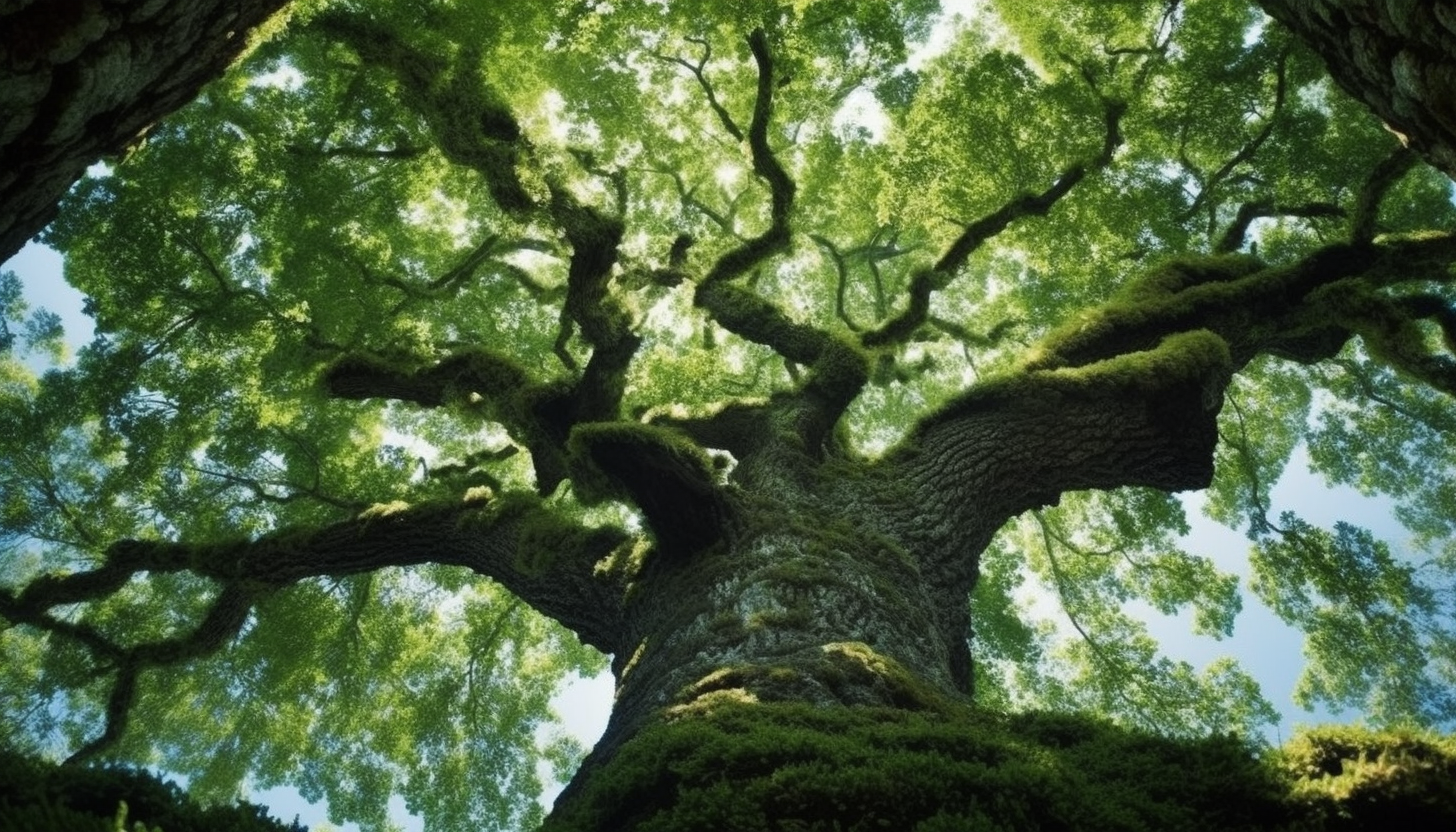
{"x":800,"y":673}
{"x":1398,"y":58}
{"x":84,"y":79}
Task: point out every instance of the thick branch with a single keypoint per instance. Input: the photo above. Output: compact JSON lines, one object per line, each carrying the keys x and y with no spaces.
{"x":736,"y":427}
{"x":1127,"y":394}
{"x":604,"y":322}
{"x":472,"y":126}
{"x":543,"y":559}
{"x":838,"y":370}
{"x":1304,"y":312}
{"x":666,"y":475}
{"x":539,"y":416}
{"x":1145,"y":418}
{"x":548,"y":562}
{"x":455,"y":378}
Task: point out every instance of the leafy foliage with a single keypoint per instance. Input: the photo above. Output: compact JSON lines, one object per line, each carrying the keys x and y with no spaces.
{"x":39,"y":797}
{"x":434,"y":263}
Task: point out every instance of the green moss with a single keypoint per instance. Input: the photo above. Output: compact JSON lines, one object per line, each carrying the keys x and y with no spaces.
{"x":1166,"y":299}
{"x":37,"y":796}
{"x":798,"y":618}
{"x":743,"y":766}
{"x":1352,"y":778}
{"x":861,"y":665}
{"x":543,"y":538}
{"x":1199,"y":354}
{"x":732,"y":764}
{"x":1175,"y":275}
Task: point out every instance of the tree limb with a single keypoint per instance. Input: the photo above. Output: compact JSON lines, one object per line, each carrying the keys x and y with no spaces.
{"x":926,"y":282}
{"x":697,"y":71}
{"x":766,"y":165}
{"x":1233,"y":238}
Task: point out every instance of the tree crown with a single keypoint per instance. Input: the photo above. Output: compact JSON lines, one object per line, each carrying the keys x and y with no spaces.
{"x":574,"y":277}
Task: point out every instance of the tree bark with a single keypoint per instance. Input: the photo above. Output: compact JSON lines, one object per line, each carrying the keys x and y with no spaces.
{"x":1398,"y":58}
{"x":84,"y":79}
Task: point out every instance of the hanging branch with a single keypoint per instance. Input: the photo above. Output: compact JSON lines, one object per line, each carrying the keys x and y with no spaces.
{"x":1440,"y":421}
{"x":223,"y":621}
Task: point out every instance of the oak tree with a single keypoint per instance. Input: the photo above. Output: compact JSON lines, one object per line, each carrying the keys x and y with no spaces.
{"x":447,"y":348}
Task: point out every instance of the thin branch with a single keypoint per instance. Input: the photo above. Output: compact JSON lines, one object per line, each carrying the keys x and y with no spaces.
{"x":1367,"y":202}
{"x":689,"y":200}
{"x":697,"y":71}
{"x":259,"y":490}
{"x":450,"y":281}
{"x":1259,"y":522}
{"x":1250,"y":147}
{"x":926,"y":282}
{"x":1438,"y":421}
{"x":842,"y":286}
{"x":1064,"y":593}
{"x":1233,"y":238}
{"x":349,"y":151}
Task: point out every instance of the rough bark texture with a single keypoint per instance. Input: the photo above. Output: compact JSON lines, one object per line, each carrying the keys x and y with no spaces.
{"x":1396,"y":56}
{"x":83,"y":79}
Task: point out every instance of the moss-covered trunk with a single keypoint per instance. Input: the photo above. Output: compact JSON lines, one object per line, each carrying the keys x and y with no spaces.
{"x":795,"y":676}
{"x":82,"y":80}
{"x":1395,"y":58}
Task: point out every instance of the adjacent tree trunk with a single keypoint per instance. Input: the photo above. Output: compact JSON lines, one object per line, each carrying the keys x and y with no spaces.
{"x":1398,"y":58}
{"x":83,"y":79}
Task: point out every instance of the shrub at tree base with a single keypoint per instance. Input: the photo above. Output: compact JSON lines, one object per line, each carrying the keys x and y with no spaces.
{"x":1347,"y":778}
{"x":37,"y":796}
{"x":755,"y":766}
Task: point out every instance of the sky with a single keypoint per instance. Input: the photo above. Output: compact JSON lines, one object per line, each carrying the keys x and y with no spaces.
{"x":1264,"y":646}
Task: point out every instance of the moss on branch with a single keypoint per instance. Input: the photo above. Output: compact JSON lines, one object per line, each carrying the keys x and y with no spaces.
{"x":662,"y":472}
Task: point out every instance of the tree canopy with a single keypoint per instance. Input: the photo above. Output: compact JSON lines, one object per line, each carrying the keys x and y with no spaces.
{"x":433,"y":331}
